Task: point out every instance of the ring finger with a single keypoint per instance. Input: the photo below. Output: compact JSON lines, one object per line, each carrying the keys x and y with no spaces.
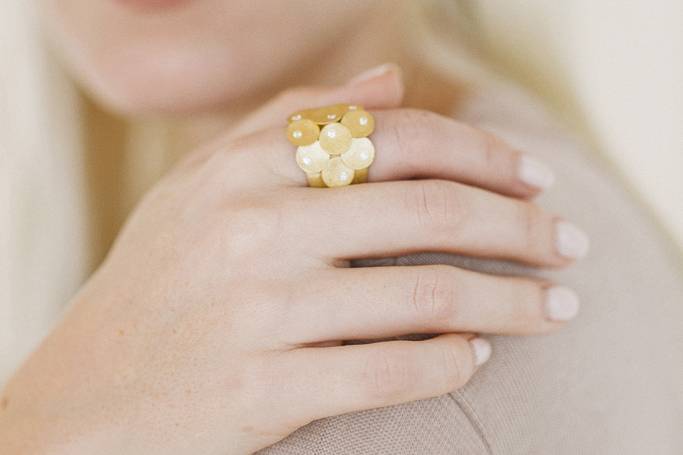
{"x":378,"y":302}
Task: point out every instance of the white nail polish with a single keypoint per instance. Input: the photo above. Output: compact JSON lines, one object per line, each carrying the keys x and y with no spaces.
{"x":373,"y":73}
{"x":561,"y":304}
{"x":570,"y":241}
{"x":481,"y":349}
{"x":534,"y":173}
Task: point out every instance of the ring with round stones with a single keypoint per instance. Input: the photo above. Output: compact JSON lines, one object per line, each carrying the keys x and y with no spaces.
{"x":333,"y":147}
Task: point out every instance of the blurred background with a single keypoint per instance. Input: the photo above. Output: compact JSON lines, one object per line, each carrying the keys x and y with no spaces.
{"x":613,"y":70}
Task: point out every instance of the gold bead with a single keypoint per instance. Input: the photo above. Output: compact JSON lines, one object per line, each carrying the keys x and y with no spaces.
{"x":303,"y":132}
{"x":312,"y":158}
{"x":326,"y":115}
{"x":360,"y":155}
{"x":337,"y":173}
{"x":335,"y":138}
{"x":359,"y":122}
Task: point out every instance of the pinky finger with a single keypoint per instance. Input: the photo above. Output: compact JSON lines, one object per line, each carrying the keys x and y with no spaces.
{"x":336,"y":380}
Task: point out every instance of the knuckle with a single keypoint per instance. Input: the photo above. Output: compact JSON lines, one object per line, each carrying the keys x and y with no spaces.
{"x":433,"y":295}
{"x":411,"y":130}
{"x":388,"y":375}
{"x":222,"y":160}
{"x":436,"y":205}
{"x":418,"y":119}
{"x":254,"y":224}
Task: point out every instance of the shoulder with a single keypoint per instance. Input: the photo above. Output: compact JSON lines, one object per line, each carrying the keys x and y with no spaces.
{"x":587,"y":381}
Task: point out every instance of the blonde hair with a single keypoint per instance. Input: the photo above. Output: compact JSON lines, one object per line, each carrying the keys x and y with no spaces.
{"x":43,"y":208}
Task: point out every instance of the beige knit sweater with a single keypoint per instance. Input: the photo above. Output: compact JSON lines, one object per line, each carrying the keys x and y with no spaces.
{"x":609,"y":384}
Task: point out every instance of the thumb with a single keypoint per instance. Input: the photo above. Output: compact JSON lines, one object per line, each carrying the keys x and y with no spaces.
{"x":377,"y":88}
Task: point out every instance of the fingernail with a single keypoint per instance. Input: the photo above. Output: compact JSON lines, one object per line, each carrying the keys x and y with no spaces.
{"x":561,"y":304}
{"x":570,"y":241}
{"x":481,"y":349}
{"x":534,"y":173}
{"x":372,"y":73}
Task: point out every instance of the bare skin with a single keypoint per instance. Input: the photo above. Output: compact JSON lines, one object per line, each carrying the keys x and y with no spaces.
{"x":215,"y":324}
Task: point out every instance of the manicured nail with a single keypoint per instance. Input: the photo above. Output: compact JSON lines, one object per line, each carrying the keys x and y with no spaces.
{"x":570,"y":241}
{"x":481,"y":349}
{"x":534,"y":173}
{"x":561,"y":304}
{"x":372,"y":73}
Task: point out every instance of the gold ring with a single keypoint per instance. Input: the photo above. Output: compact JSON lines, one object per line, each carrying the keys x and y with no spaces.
{"x":333,"y":147}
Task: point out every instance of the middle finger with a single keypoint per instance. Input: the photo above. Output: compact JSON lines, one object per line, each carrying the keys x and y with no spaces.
{"x":393,"y":218}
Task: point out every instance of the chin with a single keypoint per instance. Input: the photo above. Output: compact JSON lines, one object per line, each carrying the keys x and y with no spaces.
{"x":143,"y":81}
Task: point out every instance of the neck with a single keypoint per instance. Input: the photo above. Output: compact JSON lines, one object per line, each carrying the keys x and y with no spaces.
{"x":378,"y":39}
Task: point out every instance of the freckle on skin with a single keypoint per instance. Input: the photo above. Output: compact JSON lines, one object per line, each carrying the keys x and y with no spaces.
{"x":121,"y":332}
{"x":4,"y":403}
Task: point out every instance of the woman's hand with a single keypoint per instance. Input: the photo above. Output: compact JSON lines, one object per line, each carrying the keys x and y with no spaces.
{"x":214,"y":324}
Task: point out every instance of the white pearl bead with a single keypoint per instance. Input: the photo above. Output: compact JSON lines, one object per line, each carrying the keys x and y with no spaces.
{"x":337,"y":173}
{"x":360,"y":155}
{"x":312,"y":158}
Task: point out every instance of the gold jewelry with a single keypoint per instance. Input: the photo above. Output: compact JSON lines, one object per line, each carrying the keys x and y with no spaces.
{"x":333,"y":147}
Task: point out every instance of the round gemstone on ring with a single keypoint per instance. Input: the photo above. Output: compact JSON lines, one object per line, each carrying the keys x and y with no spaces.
{"x":302,"y":132}
{"x":337,"y":173}
{"x":335,"y":138}
{"x":360,"y":123}
{"x":312,"y":158}
{"x":360,"y":155}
